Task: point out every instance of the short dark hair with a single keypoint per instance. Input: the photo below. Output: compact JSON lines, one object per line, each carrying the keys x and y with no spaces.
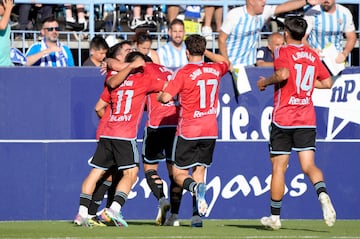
{"x":195,"y":44}
{"x":132,"y":56}
{"x":296,"y":27}
{"x":114,"y":50}
{"x":49,"y":19}
{"x":176,"y":21}
{"x":98,"y":43}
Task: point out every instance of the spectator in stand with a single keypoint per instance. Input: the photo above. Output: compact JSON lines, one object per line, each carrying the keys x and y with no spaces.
{"x":5,"y":12}
{"x":265,"y":54}
{"x":98,"y":50}
{"x":25,"y":23}
{"x":172,"y":12}
{"x":210,"y":12}
{"x":71,"y":22}
{"x":242,"y":26}
{"x":173,"y":54}
{"x":142,"y":43}
{"x":50,"y":51}
{"x":148,"y":18}
{"x":328,"y":23}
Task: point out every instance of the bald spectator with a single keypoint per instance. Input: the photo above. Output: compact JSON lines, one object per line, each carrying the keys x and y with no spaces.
{"x":265,"y":54}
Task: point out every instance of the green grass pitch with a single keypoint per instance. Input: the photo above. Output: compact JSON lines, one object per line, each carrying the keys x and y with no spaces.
{"x":216,"y":229}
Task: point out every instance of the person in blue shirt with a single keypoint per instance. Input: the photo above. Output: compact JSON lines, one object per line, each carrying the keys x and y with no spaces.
{"x":265,"y":54}
{"x":50,"y":51}
{"x":5,"y":12}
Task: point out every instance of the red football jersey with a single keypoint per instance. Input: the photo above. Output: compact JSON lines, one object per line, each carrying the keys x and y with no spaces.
{"x":198,"y":89}
{"x":127,"y":103}
{"x":161,"y":115}
{"x":105,"y":96}
{"x":293,"y":104}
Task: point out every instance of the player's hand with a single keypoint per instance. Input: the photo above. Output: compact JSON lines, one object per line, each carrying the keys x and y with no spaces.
{"x":103,"y":67}
{"x":53,"y":49}
{"x":282,"y":74}
{"x":314,"y":2}
{"x":340,"y":58}
{"x":138,"y":62}
{"x":261,"y":83}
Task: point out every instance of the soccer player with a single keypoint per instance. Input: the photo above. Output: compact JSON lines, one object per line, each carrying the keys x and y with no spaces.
{"x":157,"y":147}
{"x":110,"y":179}
{"x":117,"y":145}
{"x":328,"y":23}
{"x":197,"y":86}
{"x":298,"y":70}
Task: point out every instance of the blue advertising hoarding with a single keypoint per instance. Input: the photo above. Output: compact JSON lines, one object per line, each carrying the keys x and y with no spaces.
{"x":47,"y":134}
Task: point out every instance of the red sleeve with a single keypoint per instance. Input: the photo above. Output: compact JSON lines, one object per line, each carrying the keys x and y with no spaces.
{"x":105,"y":95}
{"x":175,"y":84}
{"x":280,"y":60}
{"x":323,"y":73}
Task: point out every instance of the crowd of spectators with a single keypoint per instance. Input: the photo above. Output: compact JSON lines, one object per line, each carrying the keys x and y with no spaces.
{"x":145,"y":17}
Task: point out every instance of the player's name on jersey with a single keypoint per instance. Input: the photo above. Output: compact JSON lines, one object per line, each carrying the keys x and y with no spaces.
{"x":198,"y":72}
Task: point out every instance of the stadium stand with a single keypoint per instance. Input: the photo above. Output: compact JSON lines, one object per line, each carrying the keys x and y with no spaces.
{"x":79,"y":41}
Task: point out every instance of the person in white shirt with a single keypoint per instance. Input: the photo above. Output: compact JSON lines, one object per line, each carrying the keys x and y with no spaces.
{"x":328,"y":23}
{"x":241,"y":28}
{"x":173,"y":54}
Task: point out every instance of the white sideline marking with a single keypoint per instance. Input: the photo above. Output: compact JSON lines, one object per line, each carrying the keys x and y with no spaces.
{"x":210,"y":237}
{"x":48,"y":141}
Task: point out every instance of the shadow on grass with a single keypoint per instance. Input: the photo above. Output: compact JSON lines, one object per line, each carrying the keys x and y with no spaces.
{"x":151,"y":223}
{"x":263,"y":228}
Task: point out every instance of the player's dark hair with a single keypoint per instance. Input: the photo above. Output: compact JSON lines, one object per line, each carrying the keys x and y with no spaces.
{"x":195,"y":44}
{"x":115,"y":49}
{"x":98,"y":43}
{"x":296,"y":27}
{"x":147,"y":58}
{"x":132,"y":56}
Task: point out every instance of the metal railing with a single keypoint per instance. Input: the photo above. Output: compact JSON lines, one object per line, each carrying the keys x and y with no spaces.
{"x":80,"y":44}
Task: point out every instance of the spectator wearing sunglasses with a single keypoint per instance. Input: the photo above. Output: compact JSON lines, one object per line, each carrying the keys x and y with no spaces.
{"x":50,"y":51}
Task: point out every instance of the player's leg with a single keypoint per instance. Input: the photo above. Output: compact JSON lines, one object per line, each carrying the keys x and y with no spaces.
{"x":152,"y":152}
{"x":122,"y":191}
{"x":156,"y":185}
{"x":175,"y":198}
{"x":305,"y":139}
{"x":87,"y":189}
{"x":100,"y":163}
{"x":101,"y":188}
{"x":280,"y":147}
{"x":126,"y":157}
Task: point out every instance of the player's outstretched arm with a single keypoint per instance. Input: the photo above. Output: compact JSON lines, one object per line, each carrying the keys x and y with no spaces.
{"x":215,"y":57}
{"x":278,"y":76}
